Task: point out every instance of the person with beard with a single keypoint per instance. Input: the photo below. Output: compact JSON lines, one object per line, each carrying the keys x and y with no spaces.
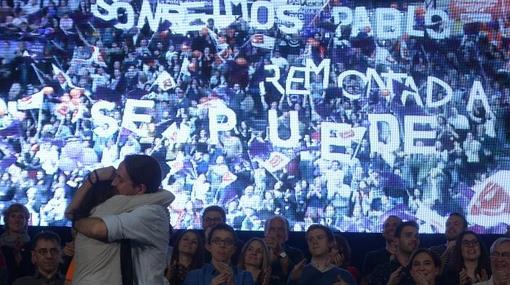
{"x":396,"y":271}
{"x":455,"y":225}
{"x":133,"y":222}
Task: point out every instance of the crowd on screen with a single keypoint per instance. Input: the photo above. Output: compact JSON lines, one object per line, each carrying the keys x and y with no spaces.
{"x":214,"y":255}
{"x":46,"y":152}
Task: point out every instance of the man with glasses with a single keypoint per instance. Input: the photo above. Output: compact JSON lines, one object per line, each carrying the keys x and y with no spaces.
{"x":212,"y":216}
{"x":46,"y":256}
{"x":500,"y":263}
{"x":221,"y":243}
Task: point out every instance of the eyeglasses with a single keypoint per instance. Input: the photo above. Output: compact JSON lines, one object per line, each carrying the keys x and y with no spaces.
{"x":470,"y":243}
{"x":45,"y":251}
{"x":222,"y":242}
{"x":505,"y":254}
{"x":213,"y":220}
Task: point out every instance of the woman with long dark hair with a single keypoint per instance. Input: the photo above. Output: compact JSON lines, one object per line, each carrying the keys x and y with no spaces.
{"x":187,"y":255}
{"x":470,"y":262}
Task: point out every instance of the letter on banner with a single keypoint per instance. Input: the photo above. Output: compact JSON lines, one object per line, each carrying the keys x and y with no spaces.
{"x":477,"y":93}
{"x":361,"y":21}
{"x":411,"y":135}
{"x":291,"y":79}
{"x":311,"y":67}
{"x":268,"y":10}
{"x":430,"y":88}
{"x":100,"y":119}
{"x":372,"y":74}
{"x":341,"y":78}
{"x":414,"y":93}
{"x":216,"y":126}
{"x":152,"y":18}
{"x":410,"y":23}
{"x":388,"y":23}
{"x":293,"y":141}
{"x":130,"y":117}
{"x":295,"y":23}
{"x":393,"y":137}
{"x":275,"y":78}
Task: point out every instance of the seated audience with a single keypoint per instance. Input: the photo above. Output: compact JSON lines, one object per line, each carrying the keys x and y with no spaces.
{"x":15,"y":242}
{"x":500,"y":263}
{"x":320,"y":270}
{"x":470,"y":261}
{"x":46,"y":256}
{"x":256,"y":260}
{"x":424,"y":267}
{"x":188,"y":254}
{"x":221,"y":243}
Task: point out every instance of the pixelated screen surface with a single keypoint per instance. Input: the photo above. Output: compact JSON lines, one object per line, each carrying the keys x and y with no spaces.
{"x":338,"y":112}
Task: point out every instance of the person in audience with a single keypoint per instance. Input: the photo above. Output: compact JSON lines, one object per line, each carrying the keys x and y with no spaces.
{"x":136,"y":218}
{"x":455,"y":225}
{"x":424,"y":268}
{"x":500,"y":263}
{"x":187,"y":255}
{"x":470,"y":261}
{"x":212,"y":216}
{"x":382,"y":255}
{"x":394,"y":271}
{"x":256,"y":260}
{"x":15,"y":242}
{"x":283,"y":257}
{"x":221,"y":243}
{"x":46,"y":256}
{"x":341,"y":256}
{"x":320,"y":270}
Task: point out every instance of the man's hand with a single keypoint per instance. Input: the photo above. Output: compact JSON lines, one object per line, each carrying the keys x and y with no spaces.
{"x":396,"y":276}
{"x":297,"y":270}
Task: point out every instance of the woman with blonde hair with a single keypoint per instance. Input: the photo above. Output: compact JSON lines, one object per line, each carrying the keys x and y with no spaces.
{"x":255,"y":258}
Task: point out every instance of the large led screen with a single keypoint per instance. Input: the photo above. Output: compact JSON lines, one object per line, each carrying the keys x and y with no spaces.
{"x":335,"y":112}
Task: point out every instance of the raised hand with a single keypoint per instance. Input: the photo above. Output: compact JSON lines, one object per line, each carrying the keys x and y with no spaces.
{"x":396,"y":276}
{"x":296,"y":272}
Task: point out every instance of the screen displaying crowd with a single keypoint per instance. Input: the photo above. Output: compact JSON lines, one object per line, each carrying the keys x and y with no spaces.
{"x":339,"y":112}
